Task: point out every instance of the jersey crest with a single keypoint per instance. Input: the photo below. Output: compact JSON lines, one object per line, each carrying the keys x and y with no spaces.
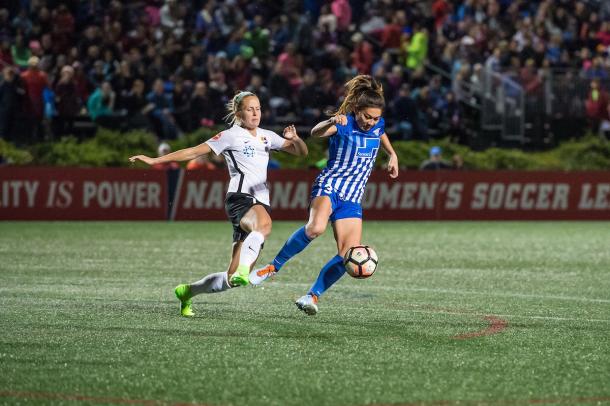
{"x":369,"y":149}
{"x":248,"y":151}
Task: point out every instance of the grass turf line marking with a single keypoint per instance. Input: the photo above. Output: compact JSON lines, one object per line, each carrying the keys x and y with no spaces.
{"x":94,"y":399}
{"x":569,"y":401}
{"x":467,"y":292}
{"x":146,"y":402}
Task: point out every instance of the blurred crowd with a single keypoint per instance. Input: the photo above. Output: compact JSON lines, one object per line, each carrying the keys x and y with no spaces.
{"x":170,"y":66}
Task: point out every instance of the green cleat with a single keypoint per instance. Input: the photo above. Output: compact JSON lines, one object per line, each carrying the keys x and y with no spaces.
{"x":183,"y":293}
{"x":240,"y":277}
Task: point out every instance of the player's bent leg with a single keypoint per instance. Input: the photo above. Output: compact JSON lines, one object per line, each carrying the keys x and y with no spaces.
{"x":258,"y":223}
{"x":347,"y":233}
{"x":330,"y":273}
{"x":213,"y":283}
{"x":319,"y":212}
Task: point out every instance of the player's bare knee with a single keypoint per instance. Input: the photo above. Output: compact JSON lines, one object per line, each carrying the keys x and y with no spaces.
{"x":314,"y":230}
{"x":264,"y":227}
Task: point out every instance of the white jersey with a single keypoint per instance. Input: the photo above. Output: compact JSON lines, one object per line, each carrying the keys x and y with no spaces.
{"x":247,"y":157}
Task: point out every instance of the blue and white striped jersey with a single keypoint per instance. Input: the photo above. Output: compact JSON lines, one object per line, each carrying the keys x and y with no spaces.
{"x":351,"y":157}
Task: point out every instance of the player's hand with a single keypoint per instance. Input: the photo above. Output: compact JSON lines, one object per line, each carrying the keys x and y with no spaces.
{"x":146,"y":159}
{"x":393,"y":166}
{"x":339,"y":119}
{"x":290,"y":133}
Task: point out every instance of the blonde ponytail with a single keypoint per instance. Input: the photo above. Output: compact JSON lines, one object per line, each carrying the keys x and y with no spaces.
{"x":234,"y":105}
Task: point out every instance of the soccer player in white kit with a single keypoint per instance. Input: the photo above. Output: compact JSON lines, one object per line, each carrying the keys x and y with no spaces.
{"x":245,"y":148}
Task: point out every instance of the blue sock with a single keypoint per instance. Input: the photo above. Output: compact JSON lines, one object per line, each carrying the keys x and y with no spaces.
{"x":295,"y":244}
{"x":330,"y":273}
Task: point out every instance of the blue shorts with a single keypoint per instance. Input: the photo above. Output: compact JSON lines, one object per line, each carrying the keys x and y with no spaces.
{"x":342,"y":209}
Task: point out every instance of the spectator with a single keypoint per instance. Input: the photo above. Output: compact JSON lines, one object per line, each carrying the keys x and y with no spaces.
{"x":67,"y":100}
{"x":6,"y":57}
{"x":80,"y":81}
{"x":98,"y":74}
{"x":327,"y":26}
{"x":124,"y":78}
{"x":417,"y":49}
{"x":182,"y":105}
{"x":424,"y":114}
{"x":384,"y":62}
{"x":164,"y":149}
{"x":405,"y":113}
{"x":391,"y":33}
{"x":258,"y":37}
{"x":202,"y":109}
{"x":257,"y":87}
{"x":435,"y":162}
{"x":452,"y":119}
{"x":187,"y":71}
{"x":34,"y":81}
{"x":289,"y":66}
{"x":596,"y":105}
{"x":20,"y":53}
{"x":161,"y":114}
{"x":343,"y":13}
{"x":11,"y":93}
{"x":101,"y":106}
{"x":457,"y":162}
{"x":137,"y":106}
{"x":309,"y":96}
{"x":202,"y":162}
{"x":22,"y":22}
{"x":172,"y":17}
{"x":362,"y":56}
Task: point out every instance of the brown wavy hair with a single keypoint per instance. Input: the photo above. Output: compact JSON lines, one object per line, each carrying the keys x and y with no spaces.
{"x":361,"y":92}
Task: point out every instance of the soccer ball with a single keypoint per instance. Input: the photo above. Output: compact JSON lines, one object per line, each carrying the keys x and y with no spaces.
{"x":360,"y":261}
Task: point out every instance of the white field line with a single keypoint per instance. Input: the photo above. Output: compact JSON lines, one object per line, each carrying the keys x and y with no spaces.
{"x":468,"y":292}
{"x":478,"y":313}
{"x":508,"y":316}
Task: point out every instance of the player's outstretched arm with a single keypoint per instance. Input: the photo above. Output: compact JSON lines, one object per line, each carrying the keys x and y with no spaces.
{"x":327,"y":128}
{"x":185,"y":154}
{"x":393,"y":162}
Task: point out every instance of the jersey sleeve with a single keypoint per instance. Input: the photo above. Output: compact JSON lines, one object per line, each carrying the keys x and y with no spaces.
{"x":275,"y":141}
{"x":342,"y":129}
{"x":381,"y":126}
{"x":220,"y":142}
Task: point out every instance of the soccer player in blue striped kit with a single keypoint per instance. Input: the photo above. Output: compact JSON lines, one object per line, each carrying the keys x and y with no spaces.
{"x":356,"y":132}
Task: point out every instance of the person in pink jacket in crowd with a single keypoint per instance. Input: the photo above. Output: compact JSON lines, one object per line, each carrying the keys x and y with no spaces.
{"x":343,"y":11}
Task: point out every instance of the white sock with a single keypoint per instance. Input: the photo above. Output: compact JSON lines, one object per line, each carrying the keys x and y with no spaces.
{"x":250,"y":248}
{"x":213,"y":283}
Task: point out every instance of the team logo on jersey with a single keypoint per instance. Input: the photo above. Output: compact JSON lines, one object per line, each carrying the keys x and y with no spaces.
{"x":264,"y":139}
{"x":248,"y":151}
{"x":376,"y":132}
{"x":369,"y":149}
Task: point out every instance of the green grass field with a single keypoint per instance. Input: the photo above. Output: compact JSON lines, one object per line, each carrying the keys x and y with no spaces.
{"x":88,"y":316}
